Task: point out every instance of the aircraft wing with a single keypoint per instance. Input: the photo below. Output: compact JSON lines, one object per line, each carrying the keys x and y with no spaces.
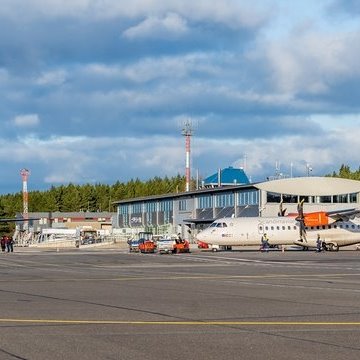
{"x":343,"y":215}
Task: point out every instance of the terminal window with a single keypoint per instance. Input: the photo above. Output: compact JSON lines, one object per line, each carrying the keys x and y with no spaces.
{"x":182,"y":205}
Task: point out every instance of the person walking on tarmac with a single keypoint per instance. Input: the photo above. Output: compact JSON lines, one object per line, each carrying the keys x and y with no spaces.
{"x":9,"y":244}
{"x":3,"y":243}
{"x":265,"y":243}
{"x":318,"y":243}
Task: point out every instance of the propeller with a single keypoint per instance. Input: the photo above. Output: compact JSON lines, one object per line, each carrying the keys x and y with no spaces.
{"x":301,"y":219}
{"x":281,"y":210}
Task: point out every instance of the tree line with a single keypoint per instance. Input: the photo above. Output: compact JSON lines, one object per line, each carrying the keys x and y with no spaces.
{"x":88,"y":197}
{"x":346,"y":173}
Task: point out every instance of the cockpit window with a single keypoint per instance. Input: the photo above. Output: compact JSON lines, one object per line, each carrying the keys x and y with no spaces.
{"x":215,"y":224}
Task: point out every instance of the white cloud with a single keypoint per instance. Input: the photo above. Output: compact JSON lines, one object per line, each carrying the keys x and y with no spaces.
{"x":43,"y":8}
{"x":82,"y":159}
{"x":173,"y":67}
{"x":154,"y":27}
{"x":313,"y":62}
{"x":337,"y":122}
{"x":28,"y":120}
{"x":57,"y":77}
{"x":102,"y":70}
{"x":231,"y":13}
{"x":324,"y":153}
{"x":118,"y":88}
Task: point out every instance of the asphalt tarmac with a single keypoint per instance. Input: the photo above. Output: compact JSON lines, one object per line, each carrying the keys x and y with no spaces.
{"x":109,"y":304}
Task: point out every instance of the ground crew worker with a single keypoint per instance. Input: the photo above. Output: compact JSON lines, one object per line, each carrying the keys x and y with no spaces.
{"x":318,"y":244}
{"x":265,"y":243}
{"x":179,"y":239}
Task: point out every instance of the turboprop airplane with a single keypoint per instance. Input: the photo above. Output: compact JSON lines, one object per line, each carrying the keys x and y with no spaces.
{"x":335,"y":228}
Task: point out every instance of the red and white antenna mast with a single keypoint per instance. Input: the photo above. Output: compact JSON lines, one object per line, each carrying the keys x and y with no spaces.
{"x":25,"y":175}
{"x":187,"y":132}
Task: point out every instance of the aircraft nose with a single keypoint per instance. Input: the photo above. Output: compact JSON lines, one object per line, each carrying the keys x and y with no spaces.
{"x":201,"y":236}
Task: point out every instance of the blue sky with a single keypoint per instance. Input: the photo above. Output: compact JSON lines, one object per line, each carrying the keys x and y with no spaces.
{"x":98,"y":91}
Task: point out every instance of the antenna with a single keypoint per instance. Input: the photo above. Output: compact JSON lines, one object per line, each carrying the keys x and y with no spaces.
{"x":308,"y":169}
{"x":277,"y":169}
{"x":187,"y":131}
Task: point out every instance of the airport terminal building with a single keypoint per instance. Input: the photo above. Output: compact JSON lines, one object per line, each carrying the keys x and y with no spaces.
{"x":230,"y":194}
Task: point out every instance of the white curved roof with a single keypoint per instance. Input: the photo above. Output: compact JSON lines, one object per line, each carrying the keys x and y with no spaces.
{"x":311,"y":186}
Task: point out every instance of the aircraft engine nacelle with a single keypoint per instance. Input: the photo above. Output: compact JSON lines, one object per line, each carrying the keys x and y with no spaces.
{"x":319,"y":218}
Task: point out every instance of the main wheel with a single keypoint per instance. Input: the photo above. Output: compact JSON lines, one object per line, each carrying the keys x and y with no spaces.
{"x":333,"y":247}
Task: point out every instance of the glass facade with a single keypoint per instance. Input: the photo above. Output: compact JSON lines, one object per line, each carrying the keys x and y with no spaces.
{"x":336,"y":199}
{"x":124,"y":215}
{"x":136,"y":208}
{"x":124,"y":209}
{"x":224,"y":200}
{"x":166,"y":207}
{"x":250,"y":197}
{"x":353,"y":198}
{"x":150,"y":207}
{"x":205,"y":202}
{"x":182,"y":205}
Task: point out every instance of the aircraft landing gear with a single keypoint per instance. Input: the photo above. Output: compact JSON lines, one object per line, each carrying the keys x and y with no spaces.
{"x":333,"y":247}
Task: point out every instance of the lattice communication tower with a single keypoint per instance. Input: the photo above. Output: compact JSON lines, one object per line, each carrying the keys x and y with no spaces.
{"x":25,"y":175}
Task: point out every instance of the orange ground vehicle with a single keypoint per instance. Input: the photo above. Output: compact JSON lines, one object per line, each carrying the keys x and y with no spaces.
{"x":146,"y":242}
{"x":182,"y":246}
{"x":167,"y":246}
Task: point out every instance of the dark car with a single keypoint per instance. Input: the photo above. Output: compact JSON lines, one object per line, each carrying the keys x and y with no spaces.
{"x":133,"y":245}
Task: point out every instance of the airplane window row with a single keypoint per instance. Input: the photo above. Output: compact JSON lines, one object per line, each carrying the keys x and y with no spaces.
{"x":294,"y":227}
{"x":334,"y":226}
{"x":267,"y":228}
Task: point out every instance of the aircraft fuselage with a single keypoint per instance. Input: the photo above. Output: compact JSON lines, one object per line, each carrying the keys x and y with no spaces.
{"x":279,"y":230}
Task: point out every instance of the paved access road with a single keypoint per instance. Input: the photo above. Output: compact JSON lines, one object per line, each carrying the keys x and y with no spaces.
{"x":108,"y":304}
